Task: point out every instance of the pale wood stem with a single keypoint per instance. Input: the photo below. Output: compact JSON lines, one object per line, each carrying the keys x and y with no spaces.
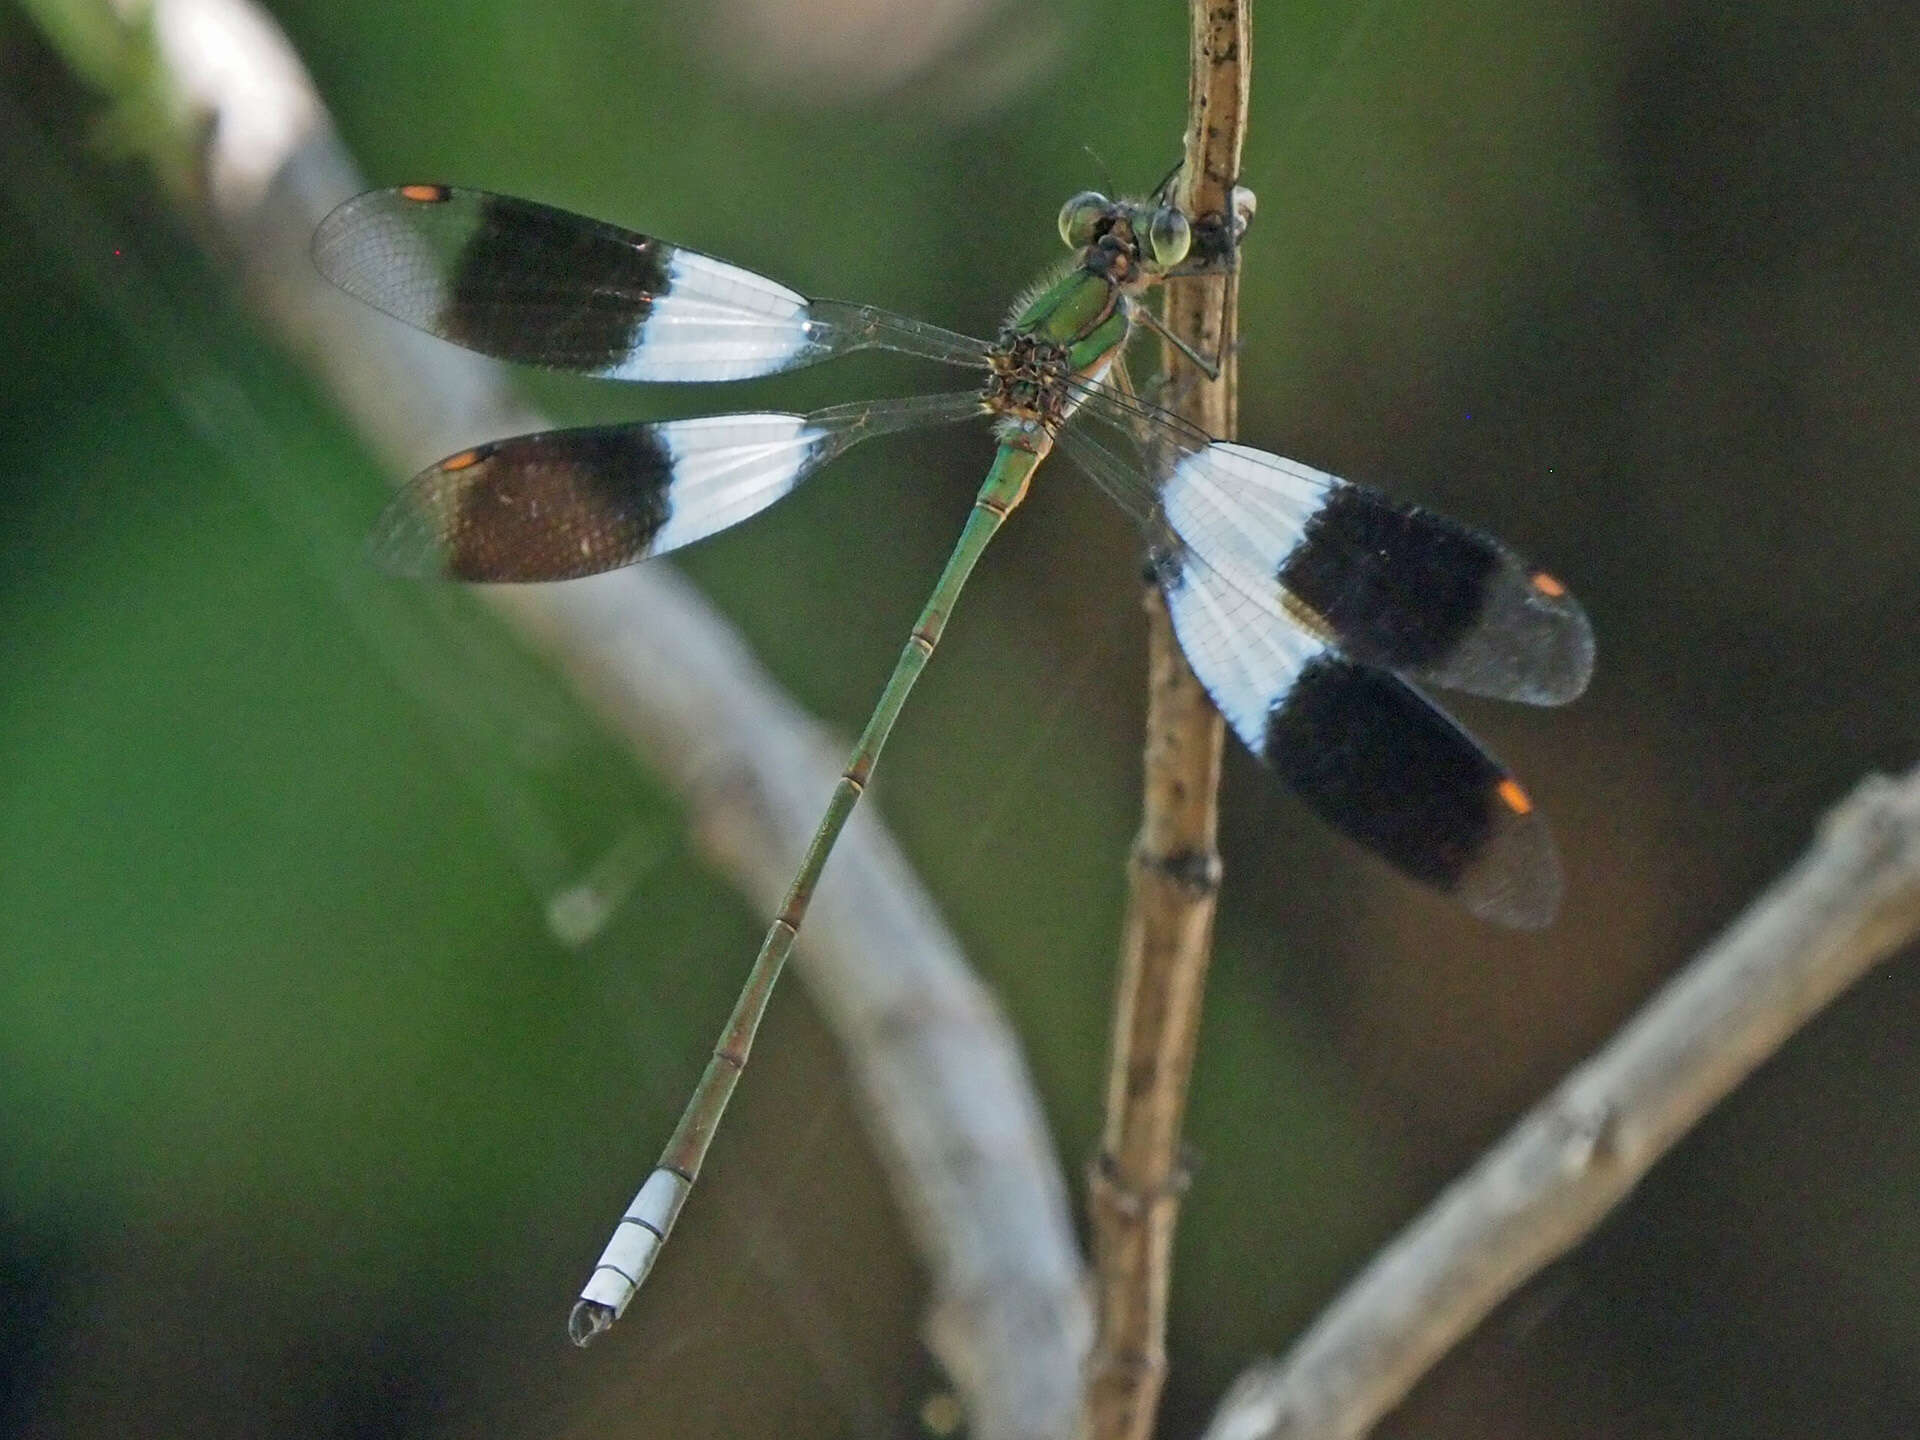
{"x":1851,"y":901}
{"x":1174,"y":871}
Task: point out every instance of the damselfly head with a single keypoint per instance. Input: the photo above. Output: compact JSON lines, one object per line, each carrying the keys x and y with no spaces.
{"x":1169,"y":237}
{"x":1084,"y":217}
{"x":1127,"y":239}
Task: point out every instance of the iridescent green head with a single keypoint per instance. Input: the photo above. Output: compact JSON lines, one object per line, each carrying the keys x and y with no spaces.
{"x":1133,"y":240}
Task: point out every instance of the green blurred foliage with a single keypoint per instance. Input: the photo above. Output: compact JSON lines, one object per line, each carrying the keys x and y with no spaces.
{"x":304,"y":1103}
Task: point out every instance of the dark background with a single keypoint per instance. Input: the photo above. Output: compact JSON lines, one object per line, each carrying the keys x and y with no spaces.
{"x":299,"y":1101}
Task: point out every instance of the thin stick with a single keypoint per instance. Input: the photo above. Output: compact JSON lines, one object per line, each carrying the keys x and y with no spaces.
{"x":1851,"y":901}
{"x":1174,"y":870}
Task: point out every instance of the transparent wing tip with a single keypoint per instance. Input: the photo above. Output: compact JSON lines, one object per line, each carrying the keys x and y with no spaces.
{"x":406,"y":541}
{"x":1534,"y":645}
{"x":1565,"y":662}
{"x":1515,"y":878}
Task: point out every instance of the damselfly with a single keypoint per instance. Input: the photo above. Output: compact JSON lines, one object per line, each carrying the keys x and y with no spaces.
{"x":1309,"y":607}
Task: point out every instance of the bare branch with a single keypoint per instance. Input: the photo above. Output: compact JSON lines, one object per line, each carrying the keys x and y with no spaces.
{"x":947,"y":1094}
{"x":1174,"y":872}
{"x":1851,"y":901}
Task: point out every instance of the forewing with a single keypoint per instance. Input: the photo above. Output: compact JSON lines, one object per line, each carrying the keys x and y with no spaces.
{"x":1393,"y":584}
{"x":528,"y":283}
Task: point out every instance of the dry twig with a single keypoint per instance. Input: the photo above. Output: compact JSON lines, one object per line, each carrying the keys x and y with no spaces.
{"x":1851,"y":901}
{"x":1174,"y":871}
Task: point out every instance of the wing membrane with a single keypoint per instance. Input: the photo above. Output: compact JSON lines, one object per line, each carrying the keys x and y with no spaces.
{"x":1392,"y":584}
{"x":1382,"y":763}
{"x":529,"y":283}
{"x":1366,"y":751}
{"x":560,"y":504}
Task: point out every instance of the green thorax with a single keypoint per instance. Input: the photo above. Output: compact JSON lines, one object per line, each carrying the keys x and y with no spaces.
{"x":1061,"y":339}
{"x":1081,"y":312}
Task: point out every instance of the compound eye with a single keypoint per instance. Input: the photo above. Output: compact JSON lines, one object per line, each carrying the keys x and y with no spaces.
{"x":1079,"y":215}
{"x":1169,"y":237}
